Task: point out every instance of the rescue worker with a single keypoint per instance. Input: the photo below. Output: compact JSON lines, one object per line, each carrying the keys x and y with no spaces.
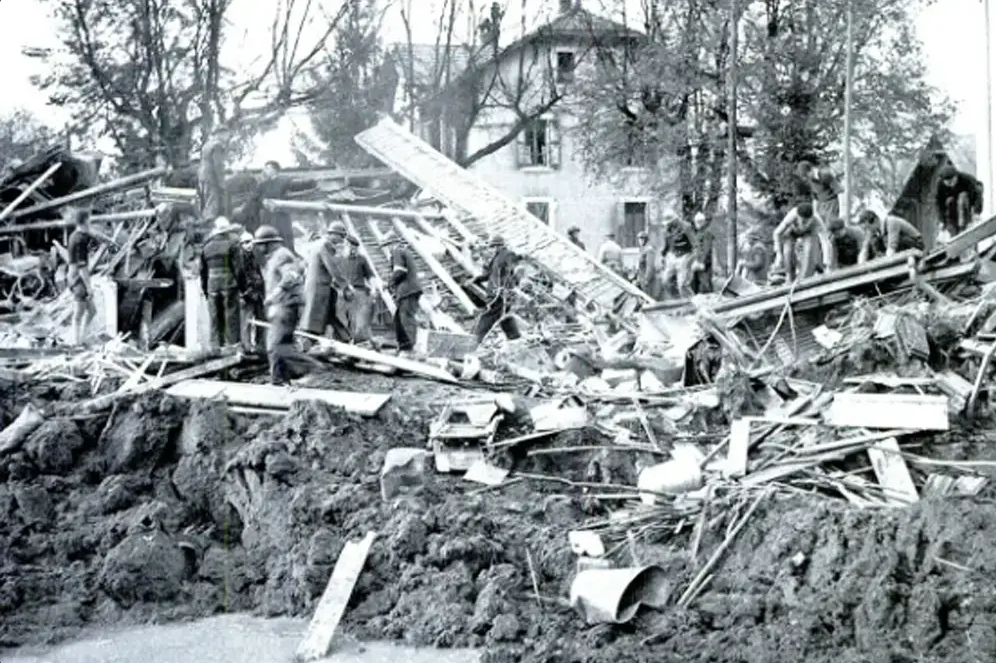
{"x":499,"y":279}
{"x":958,"y":200}
{"x":574,"y":234}
{"x":679,"y":253}
{"x":705,"y":241}
{"x":754,"y":266}
{"x":824,"y":188}
{"x":211,"y":175}
{"x":273,"y":185}
{"x":283,"y":280}
{"x":647,"y":273}
{"x":407,"y":289}
{"x":801,"y":225}
{"x":886,"y":237}
{"x":80,"y":244}
{"x":221,"y":275}
{"x":253,"y":293}
{"x":361,"y":279}
{"x":324,"y":282}
{"x":610,"y":254}
{"x":847,"y":242}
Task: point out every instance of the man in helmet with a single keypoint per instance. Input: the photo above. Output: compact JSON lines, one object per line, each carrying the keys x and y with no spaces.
{"x":253,"y":292}
{"x":324,"y":283}
{"x":958,"y":200}
{"x":499,"y":278}
{"x":221,"y":275}
{"x":574,"y":234}
{"x":802,"y":226}
{"x":407,"y":289}
{"x":284,"y":282}
{"x":886,"y":237}
{"x":646,"y":270}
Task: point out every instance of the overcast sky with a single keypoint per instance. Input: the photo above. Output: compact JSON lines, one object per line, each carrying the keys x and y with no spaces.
{"x":952,"y":32}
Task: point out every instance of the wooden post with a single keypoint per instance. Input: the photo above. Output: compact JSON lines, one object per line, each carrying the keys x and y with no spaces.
{"x":848,"y":99}
{"x":731,"y":146}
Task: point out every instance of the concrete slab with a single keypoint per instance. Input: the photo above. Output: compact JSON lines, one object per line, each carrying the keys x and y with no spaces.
{"x":224,"y":639}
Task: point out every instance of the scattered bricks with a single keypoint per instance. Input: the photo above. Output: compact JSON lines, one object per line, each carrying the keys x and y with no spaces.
{"x":404,"y":467}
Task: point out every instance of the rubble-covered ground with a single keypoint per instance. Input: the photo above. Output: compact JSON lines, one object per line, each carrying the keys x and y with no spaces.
{"x":122,"y":518}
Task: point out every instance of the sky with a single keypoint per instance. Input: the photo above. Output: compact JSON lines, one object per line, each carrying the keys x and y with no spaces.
{"x":942,"y":28}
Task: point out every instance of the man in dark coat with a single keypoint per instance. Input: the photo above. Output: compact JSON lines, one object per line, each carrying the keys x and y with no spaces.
{"x":407,"y":290}
{"x":274,"y":186}
{"x":499,"y":277}
{"x":221,"y":273}
{"x":360,"y":278}
{"x":283,"y":280}
{"x":958,"y":200}
{"x":211,"y":175}
{"x":324,"y":282}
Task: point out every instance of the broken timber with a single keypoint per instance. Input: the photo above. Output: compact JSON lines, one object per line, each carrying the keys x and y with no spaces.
{"x":331,"y":607}
{"x":269,"y":397}
{"x":493,"y":213}
{"x":92,"y":192}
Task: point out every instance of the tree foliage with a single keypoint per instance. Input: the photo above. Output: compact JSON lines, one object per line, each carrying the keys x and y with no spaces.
{"x":662,"y":105}
{"x":357,"y":83}
{"x":152,"y":74}
{"x":22,"y":135}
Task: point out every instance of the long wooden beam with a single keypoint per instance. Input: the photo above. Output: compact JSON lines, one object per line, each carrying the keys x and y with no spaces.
{"x":64,"y":223}
{"x":362,"y":250}
{"x":92,"y":192}
{"x":315,"y":206}
{"x":406,"y":233}
{"x":9,"y":209}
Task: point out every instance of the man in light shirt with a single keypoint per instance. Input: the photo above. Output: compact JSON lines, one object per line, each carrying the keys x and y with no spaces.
{"x":610,"y":254}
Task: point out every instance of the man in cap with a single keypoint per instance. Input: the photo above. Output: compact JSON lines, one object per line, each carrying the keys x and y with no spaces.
{"x":274,"y":185}
{"x":610,"y":254}
{"x":211,"y":174}
{"x":802,"y":226}
{"x":679,"y":254}
{"x":324,"y":282}
{"x":284,"y":281}
{"x":407,"y":289}
{"x":499,"y":279}
{"x":886,"y":237}
{"x":81,"y":243}
{"x":574,"y":234}
{"x":222,"y":280}
{"x":958,"y":199}
{"x":705,"y":242}
{"x":253,"y":292}
{"x":361,"y":281}
{"x":646,"y":270}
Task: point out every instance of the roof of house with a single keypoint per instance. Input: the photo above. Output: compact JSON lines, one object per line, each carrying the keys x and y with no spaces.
{"x":429,"y":60}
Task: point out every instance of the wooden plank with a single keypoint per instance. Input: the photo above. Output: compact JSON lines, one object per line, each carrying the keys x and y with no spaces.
{"x":892,"y":473}
{"x":270,"y":397}
{"x":93,"y":192}
{"x":31,"y":189}
{"x":736,"y":455}
{"x":904,"y":411}
{"x":101,"y":402}
{"x":331,"y":607}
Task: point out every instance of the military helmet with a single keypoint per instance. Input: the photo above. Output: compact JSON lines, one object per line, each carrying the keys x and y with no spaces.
{"x":337,"y":228}
{"x":267,"y":235}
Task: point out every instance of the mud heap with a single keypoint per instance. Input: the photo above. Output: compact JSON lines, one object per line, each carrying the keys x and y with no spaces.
{"x":129,"y":517}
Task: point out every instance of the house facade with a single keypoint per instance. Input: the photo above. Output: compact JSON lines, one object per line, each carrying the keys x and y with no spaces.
{"x":536,"y":163}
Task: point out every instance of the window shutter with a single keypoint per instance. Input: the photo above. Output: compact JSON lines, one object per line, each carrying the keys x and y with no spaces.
{"x":553,"y":143}
{"x":522,"y":153}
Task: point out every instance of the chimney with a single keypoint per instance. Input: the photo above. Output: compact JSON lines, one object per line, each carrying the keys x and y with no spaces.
{"x":566,"y":6}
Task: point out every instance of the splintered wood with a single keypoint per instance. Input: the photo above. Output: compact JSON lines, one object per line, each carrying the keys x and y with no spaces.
{"x":332,"y":606}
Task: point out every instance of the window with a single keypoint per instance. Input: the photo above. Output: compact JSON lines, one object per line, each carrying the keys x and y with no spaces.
{"x":634,"y":221}
{"x":539,"y":145}
{"x":565,"y":66}
{"x":541,"y":208}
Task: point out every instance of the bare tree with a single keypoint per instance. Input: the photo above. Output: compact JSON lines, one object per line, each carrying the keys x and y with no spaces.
{"x":151,"y":75}
{"x":451,"y":84}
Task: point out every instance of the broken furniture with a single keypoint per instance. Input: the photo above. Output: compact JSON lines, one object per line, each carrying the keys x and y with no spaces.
{"x":460,"y":433}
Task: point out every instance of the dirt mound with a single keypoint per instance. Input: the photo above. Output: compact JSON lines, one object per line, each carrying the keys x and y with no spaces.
{"x":165,"y":510}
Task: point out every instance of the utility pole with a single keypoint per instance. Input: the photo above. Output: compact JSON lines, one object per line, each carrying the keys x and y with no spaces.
{"x":848,"y":98}
{"x":986,"y":169}
{"x":731,"y":144}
